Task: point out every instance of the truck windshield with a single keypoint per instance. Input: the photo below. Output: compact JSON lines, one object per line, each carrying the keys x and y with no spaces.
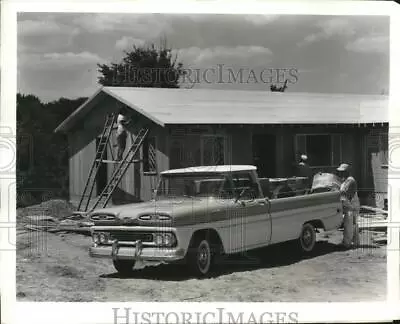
{"x":194,"y":185}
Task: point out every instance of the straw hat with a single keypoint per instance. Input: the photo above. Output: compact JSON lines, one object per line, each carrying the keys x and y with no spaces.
{"x":343,"y":167}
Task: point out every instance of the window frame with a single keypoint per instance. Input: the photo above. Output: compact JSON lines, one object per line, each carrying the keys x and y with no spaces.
{"x":207,"y":136}
{"x":254,"y":184}
{"x":146,"y":159}
{"x":332,"y":157}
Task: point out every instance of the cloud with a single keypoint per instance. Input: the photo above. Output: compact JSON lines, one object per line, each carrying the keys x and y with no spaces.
{"x":239,"y":55}
{"x":59,"y":61}
{"x":139,"y":25}
{"x":41,"y":36}
{"x":127,"y":41}
{"x":329,"y":28}
{"x":261,"y":20}
{"x":44,"y":28}
{"x":369,"y":44}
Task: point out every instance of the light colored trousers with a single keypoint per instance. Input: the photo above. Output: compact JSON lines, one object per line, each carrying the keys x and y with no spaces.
{"x":350,"y":228}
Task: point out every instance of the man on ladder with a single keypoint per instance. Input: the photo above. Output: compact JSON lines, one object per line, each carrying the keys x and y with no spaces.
{"x":122,"y":122}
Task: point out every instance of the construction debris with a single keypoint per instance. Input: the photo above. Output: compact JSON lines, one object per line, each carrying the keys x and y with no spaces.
{"x":53,"y":216}
{"x":57,"y":208}
{"x":377,"y":211}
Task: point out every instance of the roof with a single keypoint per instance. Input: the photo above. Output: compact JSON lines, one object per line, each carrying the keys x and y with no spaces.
{"x":211,"y":106}
{"x":211,"y":169}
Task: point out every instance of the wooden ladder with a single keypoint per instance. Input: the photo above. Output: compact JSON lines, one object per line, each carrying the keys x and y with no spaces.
{"x":120,"y":170}
{"x":102,"y":147}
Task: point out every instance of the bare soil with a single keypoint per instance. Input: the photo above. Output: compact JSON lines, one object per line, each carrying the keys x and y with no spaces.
{"x":57,"y":267}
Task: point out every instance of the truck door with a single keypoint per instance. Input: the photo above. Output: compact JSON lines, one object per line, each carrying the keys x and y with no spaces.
{"x":255,"y":221}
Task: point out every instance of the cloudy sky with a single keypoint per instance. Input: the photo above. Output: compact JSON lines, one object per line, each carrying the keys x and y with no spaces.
{"x":58,"y":53}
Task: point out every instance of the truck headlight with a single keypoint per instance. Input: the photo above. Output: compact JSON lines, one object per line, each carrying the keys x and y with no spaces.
{"x":103,"y":238}
{"x":158,"y":239}
{"x":169,"y":239}
{"x":164,"y":239}
{"x":96,"y":238}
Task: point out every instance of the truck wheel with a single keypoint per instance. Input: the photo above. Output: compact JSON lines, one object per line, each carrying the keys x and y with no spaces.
{"x":201,"y":257}
{"x":307,"y":238}
{"x":124,"y":267}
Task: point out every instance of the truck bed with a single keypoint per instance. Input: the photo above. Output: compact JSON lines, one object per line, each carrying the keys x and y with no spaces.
{"x":283,"y":187}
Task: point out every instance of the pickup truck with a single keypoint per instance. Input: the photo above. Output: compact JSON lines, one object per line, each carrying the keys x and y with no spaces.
{"x":200,"y":213}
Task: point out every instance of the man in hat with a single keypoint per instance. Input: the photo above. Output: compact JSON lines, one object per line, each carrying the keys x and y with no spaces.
{"x":351,"y":206}
{"x":304,"y":170}
{"x":122,"y":122}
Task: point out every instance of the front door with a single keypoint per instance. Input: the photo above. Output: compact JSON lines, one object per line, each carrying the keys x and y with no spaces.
{"x":264,"y":148}
{"x":101,"y":177}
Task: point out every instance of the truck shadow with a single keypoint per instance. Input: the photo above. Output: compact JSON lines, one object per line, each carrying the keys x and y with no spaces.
{"x":265,"y":258}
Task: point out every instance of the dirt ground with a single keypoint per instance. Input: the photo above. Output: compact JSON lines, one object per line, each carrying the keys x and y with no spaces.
{"x":56,"y":267}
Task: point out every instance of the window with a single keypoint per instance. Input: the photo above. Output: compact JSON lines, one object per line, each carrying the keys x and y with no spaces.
{"x":321,"y":149}
{"x":185,"y":152}
{"x":213,"y":149}
{"x":194,"y":185}
{"x":149,"y":155}
{"x":244,"y":182}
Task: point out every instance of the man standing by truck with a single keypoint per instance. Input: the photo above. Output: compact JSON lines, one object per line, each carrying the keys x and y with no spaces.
{"x":351,"y":206}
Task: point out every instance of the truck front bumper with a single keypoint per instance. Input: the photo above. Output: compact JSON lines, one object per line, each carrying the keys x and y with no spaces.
{"x":137,"y":252}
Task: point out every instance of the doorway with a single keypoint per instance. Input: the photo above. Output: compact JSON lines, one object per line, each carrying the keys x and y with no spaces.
{"x":101,"y":177}
{"x":264,"y":155}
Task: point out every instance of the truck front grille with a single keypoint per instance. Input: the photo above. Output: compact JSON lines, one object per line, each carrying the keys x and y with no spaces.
{"x":123,"y":236}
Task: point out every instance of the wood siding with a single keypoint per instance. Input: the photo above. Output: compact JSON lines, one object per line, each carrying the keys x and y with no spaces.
{"x":82,"y":142}
{"x":361,"y":147}
{"x":241,"y":145}
{"x":375,"y":174}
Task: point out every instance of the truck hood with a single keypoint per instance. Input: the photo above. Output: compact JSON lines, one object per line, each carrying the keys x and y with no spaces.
{"x":179,"y":210}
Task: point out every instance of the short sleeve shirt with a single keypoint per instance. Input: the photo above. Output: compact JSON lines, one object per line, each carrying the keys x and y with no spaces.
{"x":121,"y":120}
{"x":348,"y":189}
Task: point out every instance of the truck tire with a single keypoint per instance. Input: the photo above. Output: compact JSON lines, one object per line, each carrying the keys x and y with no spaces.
{"x":307,"y":239}
{"x":124,"y":267}
{"x":201,"y":257}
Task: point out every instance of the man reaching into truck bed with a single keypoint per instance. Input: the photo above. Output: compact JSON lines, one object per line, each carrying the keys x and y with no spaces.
{"x":304,"y":170}
{"x":351,"y":206}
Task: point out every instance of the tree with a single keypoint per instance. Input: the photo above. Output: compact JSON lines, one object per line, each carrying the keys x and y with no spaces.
{"x":42,"y":155}
{"x":144,"y":66}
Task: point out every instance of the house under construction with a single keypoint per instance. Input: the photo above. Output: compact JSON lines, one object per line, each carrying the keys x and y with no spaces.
{"x":175,"y":128}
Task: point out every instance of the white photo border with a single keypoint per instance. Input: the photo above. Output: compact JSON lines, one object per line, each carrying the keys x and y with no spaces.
{"x":22,"y":312}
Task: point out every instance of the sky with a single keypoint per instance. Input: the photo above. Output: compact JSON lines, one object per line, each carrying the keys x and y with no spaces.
{"x":58,"y":52}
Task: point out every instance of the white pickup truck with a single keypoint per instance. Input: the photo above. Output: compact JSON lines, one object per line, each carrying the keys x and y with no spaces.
{"x":200,"y":212}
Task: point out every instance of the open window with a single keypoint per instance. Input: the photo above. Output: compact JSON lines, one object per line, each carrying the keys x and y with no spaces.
{"x":323,"y":150}
{"x":213,"y":149}
{"x":149,"y":155}
{"x":244,"y":183}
